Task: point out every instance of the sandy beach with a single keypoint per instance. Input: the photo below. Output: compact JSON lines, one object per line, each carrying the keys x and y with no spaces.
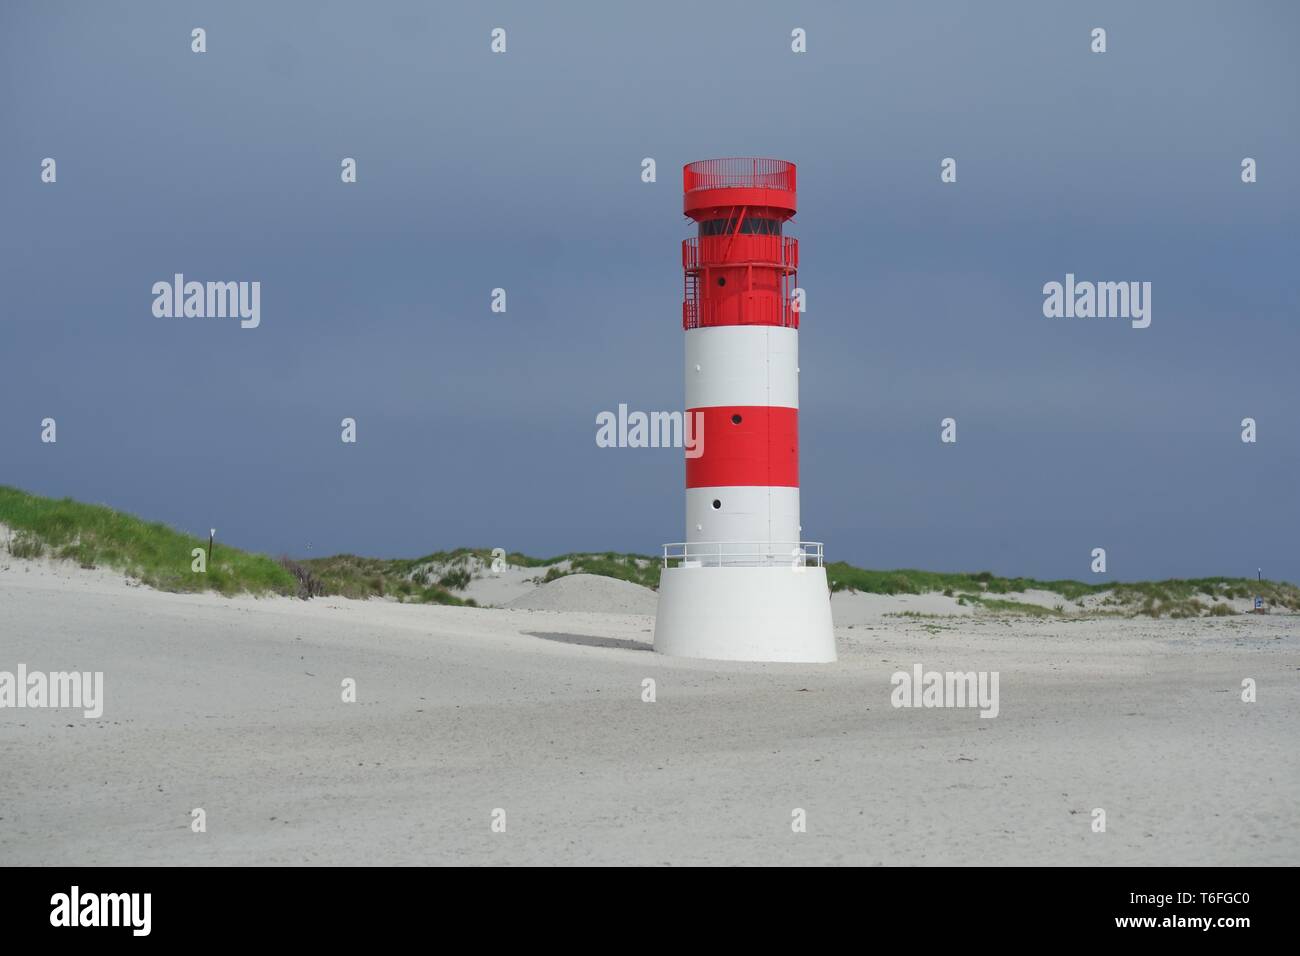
{"x":234,"y":705}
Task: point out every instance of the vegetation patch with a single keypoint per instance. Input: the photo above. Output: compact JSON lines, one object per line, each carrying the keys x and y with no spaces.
{"x":95,"y":536}
{"x":160,"y":556}
{"x":636,"y":568}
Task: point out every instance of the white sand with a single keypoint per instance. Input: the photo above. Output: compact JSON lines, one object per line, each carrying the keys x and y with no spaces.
{"x":233,"y":705}
{"x":857,"y":608}
{"x":499,"y":589}
{"x":589,"y":592}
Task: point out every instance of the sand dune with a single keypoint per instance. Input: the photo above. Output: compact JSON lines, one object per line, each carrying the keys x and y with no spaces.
{"x":234,"y":706}
{"x":589,"y":592}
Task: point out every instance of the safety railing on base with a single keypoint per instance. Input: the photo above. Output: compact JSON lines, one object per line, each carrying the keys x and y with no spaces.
{"x":754,"y":554}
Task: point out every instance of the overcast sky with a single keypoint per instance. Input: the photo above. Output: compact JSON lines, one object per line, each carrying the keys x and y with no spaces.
{"x":522,"y":171}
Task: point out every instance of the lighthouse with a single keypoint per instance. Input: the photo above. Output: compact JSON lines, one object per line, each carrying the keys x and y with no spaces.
{"x":743,"y":585}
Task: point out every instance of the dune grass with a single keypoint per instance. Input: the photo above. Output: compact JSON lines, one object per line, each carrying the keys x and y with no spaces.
{"x":95,"y":536}
{"x":433,"y":577}
{"x":846,"y":577}
{"x":1180,"y":597}
{"x":637,"y":568}
{"x":160,"y":556}
{"x":1003,"y":606}
{"x":1192,"y":597}
{"x":352,"y":576}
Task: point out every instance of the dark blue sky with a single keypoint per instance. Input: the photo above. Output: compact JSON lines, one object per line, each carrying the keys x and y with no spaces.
{"x":522,"y":171}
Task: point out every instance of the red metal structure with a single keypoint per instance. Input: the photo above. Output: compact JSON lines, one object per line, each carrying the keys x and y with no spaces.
{"x":742,"y":353}
{"x":740,"y":269}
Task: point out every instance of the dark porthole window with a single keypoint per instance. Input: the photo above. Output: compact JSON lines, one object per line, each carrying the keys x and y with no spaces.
{"x":722,"y":280}
{"x":716,"y":504}
{"x":735,"y":419}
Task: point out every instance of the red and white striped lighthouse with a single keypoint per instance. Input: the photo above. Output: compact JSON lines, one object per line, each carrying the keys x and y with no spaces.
{"x":743,"y":586}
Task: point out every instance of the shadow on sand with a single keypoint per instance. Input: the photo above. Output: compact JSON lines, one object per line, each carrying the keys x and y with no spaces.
{"x":588,"y":641}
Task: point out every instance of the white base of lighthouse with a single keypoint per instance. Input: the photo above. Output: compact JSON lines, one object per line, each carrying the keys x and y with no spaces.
{"x":745,"y":614}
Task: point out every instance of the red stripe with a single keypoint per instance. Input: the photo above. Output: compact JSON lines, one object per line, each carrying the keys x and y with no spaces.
{"x":763,"y":449}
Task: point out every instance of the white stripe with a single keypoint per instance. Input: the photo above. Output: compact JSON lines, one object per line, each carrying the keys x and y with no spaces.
{"x":748,"y":514}
{"x":731,"y":365}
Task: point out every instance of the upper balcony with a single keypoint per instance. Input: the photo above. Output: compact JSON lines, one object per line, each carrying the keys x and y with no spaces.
{"x":777,"y":252}
{"x":739,"y":181}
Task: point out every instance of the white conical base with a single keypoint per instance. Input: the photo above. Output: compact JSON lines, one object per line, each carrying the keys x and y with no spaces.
{"x":745,"y":614}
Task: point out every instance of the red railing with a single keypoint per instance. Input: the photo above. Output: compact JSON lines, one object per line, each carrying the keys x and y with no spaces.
{"x":739,"y":173}
{"x":780,"y":252}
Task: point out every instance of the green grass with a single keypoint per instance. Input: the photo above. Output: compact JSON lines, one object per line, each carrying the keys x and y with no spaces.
{"x":1003,"y":606}
{"x":845,"y":577}
{"x":433,"y":577}
{"x":399,"y":578}
{"x":1182,"y":597}
{"x":24,"y":544}
{"x":96,"y":536}
{"x":926,"y":622}
{"x":636,"y":568}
